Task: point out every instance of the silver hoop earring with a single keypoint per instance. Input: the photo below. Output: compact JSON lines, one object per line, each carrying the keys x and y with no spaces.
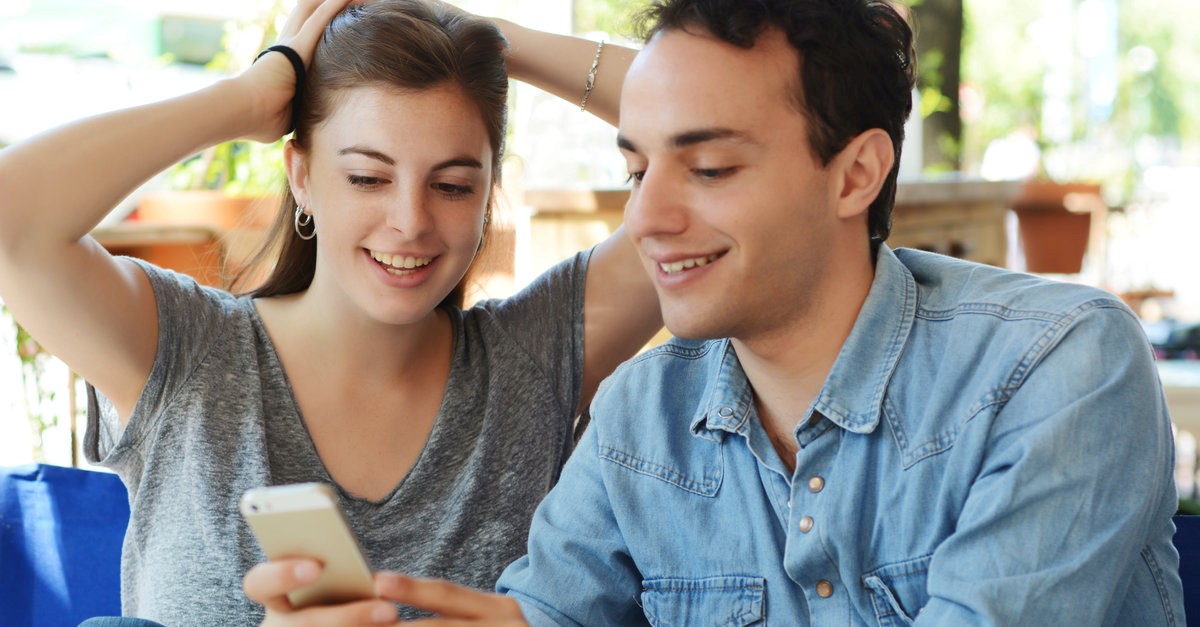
{"x":301,"y":219}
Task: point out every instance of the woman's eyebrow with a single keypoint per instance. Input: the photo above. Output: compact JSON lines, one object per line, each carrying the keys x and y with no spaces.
{"x":466,"y":162}
{"x":367,"y":152}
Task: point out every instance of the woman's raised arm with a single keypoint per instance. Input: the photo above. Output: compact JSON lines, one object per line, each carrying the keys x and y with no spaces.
{"x":96,"y":312}
{"x":620,"y":306}
{"x":560,"y":65}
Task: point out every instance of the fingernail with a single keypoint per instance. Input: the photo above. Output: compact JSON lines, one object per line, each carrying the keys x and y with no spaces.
{"x":306,"y":571}
{"x":391,"y":580}
{"x":383,"y":613}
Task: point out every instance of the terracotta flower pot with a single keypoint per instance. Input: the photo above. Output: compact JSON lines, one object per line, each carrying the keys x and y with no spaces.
{"x":203,"y":234}
{"x":207,"y":208}
{"x":1054,"y":223}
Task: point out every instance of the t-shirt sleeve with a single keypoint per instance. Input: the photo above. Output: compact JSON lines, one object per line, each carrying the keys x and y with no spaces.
{"x":190,"y":319}
{"x":545,"y":319}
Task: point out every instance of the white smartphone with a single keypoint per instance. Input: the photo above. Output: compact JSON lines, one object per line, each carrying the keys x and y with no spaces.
{"x":304,"y":520}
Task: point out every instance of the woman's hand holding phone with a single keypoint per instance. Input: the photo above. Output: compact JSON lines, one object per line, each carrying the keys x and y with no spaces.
{"x":318,"y":575}
{"x":269,"y":584}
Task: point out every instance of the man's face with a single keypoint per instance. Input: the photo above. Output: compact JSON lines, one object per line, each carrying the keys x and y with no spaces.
{"x":732,"y":213}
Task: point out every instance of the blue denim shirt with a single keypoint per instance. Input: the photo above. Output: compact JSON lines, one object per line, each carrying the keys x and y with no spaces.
{"x":990,"y":448}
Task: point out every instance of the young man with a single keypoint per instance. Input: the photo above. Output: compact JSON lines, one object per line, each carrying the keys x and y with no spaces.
{"x":852,"y":435}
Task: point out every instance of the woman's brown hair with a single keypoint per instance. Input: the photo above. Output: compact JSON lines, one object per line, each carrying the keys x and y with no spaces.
{"x":404,"y":44}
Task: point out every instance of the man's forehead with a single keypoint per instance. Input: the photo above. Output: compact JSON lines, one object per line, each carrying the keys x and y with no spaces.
{"x":689,"y":84}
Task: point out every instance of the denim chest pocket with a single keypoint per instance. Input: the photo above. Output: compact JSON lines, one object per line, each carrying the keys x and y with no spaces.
{"x":712,"y":601}
{"x":898,"y":590}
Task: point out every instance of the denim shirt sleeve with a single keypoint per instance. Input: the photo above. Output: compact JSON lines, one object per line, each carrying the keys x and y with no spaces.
{"x":578,"y":570}
{"x":1077,"y":464}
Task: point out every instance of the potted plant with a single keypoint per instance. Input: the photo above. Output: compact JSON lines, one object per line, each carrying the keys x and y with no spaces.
{"x":225,"y":185}
{"x":232,"y":189}
{"x":1054,"y":221}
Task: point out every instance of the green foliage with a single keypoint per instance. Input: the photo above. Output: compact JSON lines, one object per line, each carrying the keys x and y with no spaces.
{"x":238,"y":167}
{"x":1157,"y":68}
{"x":1002,"y":65}
{"x":39,"y":392}
{"x":607,"y":16}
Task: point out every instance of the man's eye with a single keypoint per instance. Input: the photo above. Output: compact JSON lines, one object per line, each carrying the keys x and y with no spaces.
{"x":713,"y":173}
{"x":635,"y":177}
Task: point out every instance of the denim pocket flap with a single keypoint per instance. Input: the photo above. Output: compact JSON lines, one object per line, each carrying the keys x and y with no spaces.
{"x":898,"y":590}
{"x":716,"y":601}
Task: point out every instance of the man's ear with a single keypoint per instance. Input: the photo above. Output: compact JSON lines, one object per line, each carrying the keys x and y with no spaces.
{"x":863,"y":166}
{"x":296,"y":163}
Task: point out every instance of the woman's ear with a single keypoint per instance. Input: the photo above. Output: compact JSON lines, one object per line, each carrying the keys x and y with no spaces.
{"x":863,"y":166}
{"x":296,"y":163}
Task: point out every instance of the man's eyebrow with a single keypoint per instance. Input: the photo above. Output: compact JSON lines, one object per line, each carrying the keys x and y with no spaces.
{"x":691,"y":138}
{"x":367,"y":152}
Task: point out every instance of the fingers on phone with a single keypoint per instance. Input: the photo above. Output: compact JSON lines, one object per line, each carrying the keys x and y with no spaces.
{"x":270,"y":582}
{"x":357,"y":613}
{"x":446,"y":599}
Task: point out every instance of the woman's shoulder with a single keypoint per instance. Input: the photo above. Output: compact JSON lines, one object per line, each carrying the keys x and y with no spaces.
{"x":174,"y":288}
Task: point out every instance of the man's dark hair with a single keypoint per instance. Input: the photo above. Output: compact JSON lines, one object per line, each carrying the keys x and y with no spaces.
{"x":857,"y":67}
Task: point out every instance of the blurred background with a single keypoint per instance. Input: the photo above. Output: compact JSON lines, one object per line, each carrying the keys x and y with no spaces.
{"x":1048,"y":136}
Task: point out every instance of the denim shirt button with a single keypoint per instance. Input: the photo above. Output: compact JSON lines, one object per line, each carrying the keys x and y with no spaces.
{"x":806,"y":524}
{"x":824,"y":589}
{"x":816,"y":484}
{"x":725,"y":412}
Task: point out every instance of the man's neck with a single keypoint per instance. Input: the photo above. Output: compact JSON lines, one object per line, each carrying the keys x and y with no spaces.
{"x":786,"y":378}
{"x":788,"y":365}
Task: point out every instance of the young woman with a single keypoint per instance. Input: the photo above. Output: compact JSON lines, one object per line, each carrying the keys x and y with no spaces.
{"x":440,"y":428}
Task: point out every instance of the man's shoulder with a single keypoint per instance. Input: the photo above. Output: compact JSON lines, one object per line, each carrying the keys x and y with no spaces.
{"x":669,"y":358}
{"x":946,"y":285}
{"x":643,"y":417}
{"x":672,"y":377}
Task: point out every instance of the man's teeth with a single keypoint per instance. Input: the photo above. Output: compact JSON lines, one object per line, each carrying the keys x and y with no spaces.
{"x":400,"y":262}
{"x":676,"y":267}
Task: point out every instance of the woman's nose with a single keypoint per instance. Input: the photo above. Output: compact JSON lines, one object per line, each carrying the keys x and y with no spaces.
{"x":409,"y":213}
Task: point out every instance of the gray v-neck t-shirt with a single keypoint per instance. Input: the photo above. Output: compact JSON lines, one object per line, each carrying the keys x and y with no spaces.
{"x":218,"y":417}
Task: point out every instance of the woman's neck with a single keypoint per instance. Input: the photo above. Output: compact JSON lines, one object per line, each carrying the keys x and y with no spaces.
{"x":350,"y":345}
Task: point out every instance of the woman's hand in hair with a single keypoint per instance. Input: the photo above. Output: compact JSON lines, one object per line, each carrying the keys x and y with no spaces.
{"x":271,"y":81}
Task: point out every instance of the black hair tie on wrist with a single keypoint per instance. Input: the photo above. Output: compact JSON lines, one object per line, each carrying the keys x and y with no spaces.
{"x":298,"y":67}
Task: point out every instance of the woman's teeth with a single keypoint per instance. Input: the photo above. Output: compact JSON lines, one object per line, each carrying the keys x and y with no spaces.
{"x":400,"y":262}
{"x":675,"y":267}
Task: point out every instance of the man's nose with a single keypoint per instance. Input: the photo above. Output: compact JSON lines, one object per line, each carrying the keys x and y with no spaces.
{"x":656,"y":206}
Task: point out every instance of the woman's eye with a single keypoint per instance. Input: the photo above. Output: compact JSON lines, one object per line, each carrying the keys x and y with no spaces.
{"x":453,"y":191}
{"x":636,"y":177}
{"x":359,"y":180}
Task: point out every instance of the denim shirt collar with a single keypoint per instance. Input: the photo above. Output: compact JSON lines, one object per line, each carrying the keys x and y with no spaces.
{"x":852,"y":396}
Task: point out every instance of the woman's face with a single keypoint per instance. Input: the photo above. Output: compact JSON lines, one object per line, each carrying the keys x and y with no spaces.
{"x":397,"y":183}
